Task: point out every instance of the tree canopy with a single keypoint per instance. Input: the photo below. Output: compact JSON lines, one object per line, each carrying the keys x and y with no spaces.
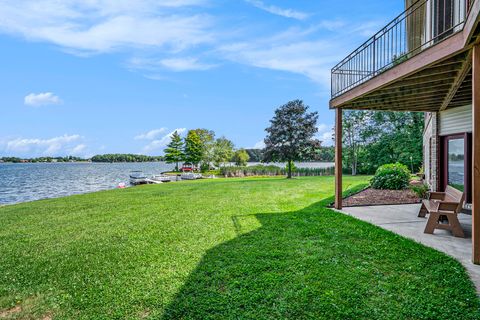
{"x":222,"y":151}
{"x":120,"y":157}
{"x":290,"y":136}
{"x":372,"y":139}
{"x":193,"y":148}
{"x":241,"y":157}
{"x":174,"y":151}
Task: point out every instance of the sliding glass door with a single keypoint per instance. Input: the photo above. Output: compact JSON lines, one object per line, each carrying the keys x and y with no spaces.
{"x":456,"y":162}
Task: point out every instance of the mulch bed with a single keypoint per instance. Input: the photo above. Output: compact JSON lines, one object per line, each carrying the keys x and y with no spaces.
{"x":371,"y":197}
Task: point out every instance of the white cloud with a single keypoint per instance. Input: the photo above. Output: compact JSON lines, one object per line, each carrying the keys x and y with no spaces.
{"x":325,"y":134}
{"x":180,"y":35}
{"x":41,"y":99}
{"x":312,"y":59}
{"x":78,"y":149}
{"x":150,"y":135}
{"x":60,"y":145}
{"x":172,"y":64}
{"x":158,"y":144}
{"x":97,"y":26}
{"x":185,"y":64}
{"x":287,"y":13}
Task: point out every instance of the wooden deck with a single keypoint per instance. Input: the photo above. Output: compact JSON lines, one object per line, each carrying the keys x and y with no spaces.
{"x":437,"y":78}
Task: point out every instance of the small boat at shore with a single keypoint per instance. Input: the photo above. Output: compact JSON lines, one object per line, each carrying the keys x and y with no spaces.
{"x":137,"y":177}
{"x":191,"y":176}
{"x":163,"y":178}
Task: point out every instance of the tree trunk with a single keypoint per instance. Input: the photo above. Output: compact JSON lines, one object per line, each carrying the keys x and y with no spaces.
{"x":289,"y":176}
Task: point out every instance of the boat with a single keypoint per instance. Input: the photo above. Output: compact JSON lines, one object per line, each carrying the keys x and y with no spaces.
{"x":191,"y":176}
{"x":138,"y":177}
{"x":162,"y":178}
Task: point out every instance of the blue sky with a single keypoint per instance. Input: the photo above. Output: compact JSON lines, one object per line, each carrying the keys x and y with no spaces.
{"x":84,"y":77}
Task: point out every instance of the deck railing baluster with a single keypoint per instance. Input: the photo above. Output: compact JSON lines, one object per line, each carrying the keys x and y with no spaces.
{"x":405,"y":36}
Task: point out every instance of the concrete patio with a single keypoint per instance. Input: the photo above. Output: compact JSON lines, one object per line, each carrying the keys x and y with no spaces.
{"x":403,"y":220}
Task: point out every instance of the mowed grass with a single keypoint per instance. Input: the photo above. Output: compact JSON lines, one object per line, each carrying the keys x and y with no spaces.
{"x":220,"y":249}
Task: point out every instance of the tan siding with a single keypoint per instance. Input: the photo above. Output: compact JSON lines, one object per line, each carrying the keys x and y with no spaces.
{"x":456,"y":120}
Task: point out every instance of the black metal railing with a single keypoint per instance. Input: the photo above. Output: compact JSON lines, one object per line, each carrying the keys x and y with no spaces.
{"x":423,"y":24}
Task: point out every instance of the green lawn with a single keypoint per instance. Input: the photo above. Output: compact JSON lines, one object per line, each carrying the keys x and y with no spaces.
{"x":218,"y":249}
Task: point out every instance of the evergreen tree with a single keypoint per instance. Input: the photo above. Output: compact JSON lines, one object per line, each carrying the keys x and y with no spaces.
{"x":174,"y":150}
{"x":291,"y":134}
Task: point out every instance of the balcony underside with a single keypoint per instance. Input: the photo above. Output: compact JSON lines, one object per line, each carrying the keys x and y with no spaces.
{"x":437,"y":78}
{"x":437,"y":87}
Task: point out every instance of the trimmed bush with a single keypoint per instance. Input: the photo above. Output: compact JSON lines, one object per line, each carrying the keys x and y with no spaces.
{"x":393,"y":176}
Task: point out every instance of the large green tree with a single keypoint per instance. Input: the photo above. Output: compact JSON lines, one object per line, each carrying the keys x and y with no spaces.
{"x":207,"y":141}
{"x":291,"y":135}
{"x":193,"y":150}
{"x":222,"y":151}
{"x":174,"y":151}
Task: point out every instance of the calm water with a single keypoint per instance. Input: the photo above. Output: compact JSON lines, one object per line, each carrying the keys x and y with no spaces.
{"x":20,"y":182}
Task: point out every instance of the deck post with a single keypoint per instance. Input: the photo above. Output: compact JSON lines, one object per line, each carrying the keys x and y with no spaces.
{"x":476,"y":154}
{"x":338,"y":158}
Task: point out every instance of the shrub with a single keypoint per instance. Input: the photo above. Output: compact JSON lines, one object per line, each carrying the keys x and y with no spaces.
{"x":393,"y":176}
{"x":421,"y":190}
{"x":204,"y":167}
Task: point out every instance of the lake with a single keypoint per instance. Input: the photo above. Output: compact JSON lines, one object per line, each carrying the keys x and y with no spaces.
{"x":20,"y":182}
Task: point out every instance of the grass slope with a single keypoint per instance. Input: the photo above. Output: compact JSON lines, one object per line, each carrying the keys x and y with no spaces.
{"x":223,"y":249}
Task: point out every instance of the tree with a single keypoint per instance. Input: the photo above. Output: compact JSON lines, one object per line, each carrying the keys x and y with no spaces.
{"x":241,"y":157}
{"x":193,"y":148}
{"x":174,"y":150}
{"x":222,"y":151}
{"x":372,"y":139}
{"x":290,"y":136}
{"x":355,"y":132}
{"x":256,"y":155}
{"x":207,"y":139}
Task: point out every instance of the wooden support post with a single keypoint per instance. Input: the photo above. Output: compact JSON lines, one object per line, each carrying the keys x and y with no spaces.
{"x":338,"y":158}
{"x":476,"y":154}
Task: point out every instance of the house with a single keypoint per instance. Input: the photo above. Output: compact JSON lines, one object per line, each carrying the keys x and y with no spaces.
{"x":427,"y":60}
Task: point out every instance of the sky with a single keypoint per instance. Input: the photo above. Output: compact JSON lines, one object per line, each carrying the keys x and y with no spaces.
{"x":85,"y":77}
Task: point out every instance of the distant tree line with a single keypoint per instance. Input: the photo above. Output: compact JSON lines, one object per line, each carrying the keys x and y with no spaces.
{"x":125,"y":157}
{"x":42,"y":159}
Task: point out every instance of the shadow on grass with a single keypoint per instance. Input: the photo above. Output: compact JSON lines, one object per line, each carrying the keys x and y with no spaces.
{"x":317,"y":263}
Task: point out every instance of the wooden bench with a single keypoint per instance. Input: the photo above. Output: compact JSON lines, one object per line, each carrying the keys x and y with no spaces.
{"x":443,"y":208}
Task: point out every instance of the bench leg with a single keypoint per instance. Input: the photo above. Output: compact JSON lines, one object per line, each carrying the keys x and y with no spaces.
{"x":432,"y":222}
{"x":455,"y":225}
{"x":423,"y":211}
